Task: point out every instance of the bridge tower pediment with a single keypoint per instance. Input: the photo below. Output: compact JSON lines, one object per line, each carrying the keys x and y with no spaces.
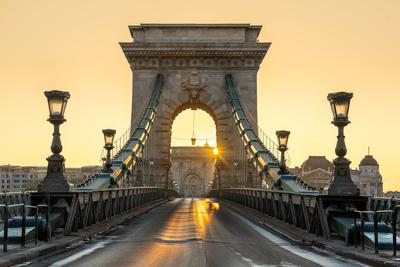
{"x":194,"y":59}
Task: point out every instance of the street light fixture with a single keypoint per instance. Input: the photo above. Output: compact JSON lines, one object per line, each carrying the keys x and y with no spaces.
{"x":217,"y":167}
{"x":109,"y":135}
{"x":341,"y":183}
{"x":55,"y":180}
{"x":236,"y":179}
{"x":151,"y":163}
{"x":283,"y":137}
{"x":340,"y":104}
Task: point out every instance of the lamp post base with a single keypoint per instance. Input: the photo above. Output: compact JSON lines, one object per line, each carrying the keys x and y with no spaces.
{"x":342,"y":185}
{"x":55,"y":180}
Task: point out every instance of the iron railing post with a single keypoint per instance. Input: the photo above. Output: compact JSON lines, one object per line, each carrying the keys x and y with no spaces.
{"x":36,"y":225}
{"x":47,"y":222}
{"x":376,"y":245}
{"x":355,"y":228}
{"x":5,"y":237}
{"x":362,"y":232}
{"x":394,"y":229}
{"x":23,"y":225}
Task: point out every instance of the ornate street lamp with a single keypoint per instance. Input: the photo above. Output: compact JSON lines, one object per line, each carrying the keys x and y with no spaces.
{"x":167,"y":176}
{"x":139,"y":174}
{"x":55,"y":180}
{"x":235,"y":177}
{"x":341,"y":183}
{"x":283,"y":137}
{"x":109,"y":135}
{"x":217,"y":167}
{"x":151,"y":164}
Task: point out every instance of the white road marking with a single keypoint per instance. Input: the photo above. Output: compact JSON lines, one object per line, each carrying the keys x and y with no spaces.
{"x":252,"y":264}
{"x":333,"y":261}
{"x":79,"y":255}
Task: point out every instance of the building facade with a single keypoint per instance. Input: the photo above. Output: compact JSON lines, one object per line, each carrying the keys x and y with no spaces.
{"x":394,"y":194}
{"x":317,"y":171}
{"x":18,"y":178}
{"x":368,"y":177}
{"x":192,"y":169}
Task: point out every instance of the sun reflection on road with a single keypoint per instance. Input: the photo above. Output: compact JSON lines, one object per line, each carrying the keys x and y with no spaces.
{"x":203,"y":212}
{"x":189,"y":221}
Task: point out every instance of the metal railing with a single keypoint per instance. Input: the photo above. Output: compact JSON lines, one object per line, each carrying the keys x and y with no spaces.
{"x":306,"y":211}
{"x":11,"y":198}
{"x":23,"y":207}
{"x":88,"y":208}
{"x":301,"y":210}
{"x":128,"y":157}
{"x":272,"y":146}
{"x":269,"y":144}
{"x":393,"y":213}
{"x":86,"y":182}
{"x":361,"y":216}
{"x":264,"y":159}
{"x":121,"y":141}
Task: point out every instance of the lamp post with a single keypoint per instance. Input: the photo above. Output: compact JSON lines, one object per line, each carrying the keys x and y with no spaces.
{"x":217,"y":167}
{"x":283,"y":137}
{"x":109,"y":135}
{"x":55,"y":180}
{"x":151,"y":163}
{"x":249,"y":177}
{"x":167,"y":179}
{"x":341,"y":183}
{"x":236,"y":179}
{"x":261,"y":177}
{"x":139,"y":176}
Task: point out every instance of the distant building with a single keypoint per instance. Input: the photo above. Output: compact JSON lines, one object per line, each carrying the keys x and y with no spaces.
{"x":73,"y":174}
{"x":18,"y":178}
{"x":395,"y":194}
{"x":317,"y":171}
{"x":192,"y":169}
{"x":89,"y":171}
{"x":368,"y":177}
{"x":14,"y":178}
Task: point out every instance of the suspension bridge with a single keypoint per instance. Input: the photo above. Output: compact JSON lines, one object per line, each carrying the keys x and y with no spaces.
{"x":267,"y":217}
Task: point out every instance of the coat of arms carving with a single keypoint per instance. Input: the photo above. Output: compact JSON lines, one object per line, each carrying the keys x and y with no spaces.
{"x":193,"y":86}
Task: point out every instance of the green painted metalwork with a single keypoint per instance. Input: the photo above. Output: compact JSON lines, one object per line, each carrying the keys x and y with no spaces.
{"x":263,"y":158}
{"x":128,"y":153}
{"x":127,"y":157}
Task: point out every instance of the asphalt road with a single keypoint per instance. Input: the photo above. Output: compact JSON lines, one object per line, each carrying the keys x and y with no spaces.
{"x":190,"y":232}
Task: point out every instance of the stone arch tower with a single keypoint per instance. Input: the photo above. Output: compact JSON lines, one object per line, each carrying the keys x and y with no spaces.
{"x":194,"y":59}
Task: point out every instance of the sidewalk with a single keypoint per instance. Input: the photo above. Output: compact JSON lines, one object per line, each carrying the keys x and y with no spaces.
{"x":17,"y":255}
{"x":304,"y":238}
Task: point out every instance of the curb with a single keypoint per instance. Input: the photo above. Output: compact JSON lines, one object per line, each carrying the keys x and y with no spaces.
{"x":92,"y":231}
{"x":304,"y":241}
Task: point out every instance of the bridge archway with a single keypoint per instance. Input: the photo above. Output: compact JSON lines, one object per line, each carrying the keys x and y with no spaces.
{"x":194,"y":60}
{"x":193,"y":121}
{"x":193,"y":186}
{"x":169,"y":110}
{"x":193,"y":165}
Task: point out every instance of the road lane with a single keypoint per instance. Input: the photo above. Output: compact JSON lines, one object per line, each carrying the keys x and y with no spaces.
{"x":190,"y":232}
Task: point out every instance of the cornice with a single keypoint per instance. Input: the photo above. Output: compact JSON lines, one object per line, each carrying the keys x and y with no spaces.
{"x":195,"y":47}
{"x":177,"y":53}
{"x":213,"y":57}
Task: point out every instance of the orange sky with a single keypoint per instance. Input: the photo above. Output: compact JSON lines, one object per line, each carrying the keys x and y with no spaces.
{"x":317,"y":47}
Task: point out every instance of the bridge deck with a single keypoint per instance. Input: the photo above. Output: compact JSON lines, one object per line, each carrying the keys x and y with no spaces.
{"x":190,"y":232}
